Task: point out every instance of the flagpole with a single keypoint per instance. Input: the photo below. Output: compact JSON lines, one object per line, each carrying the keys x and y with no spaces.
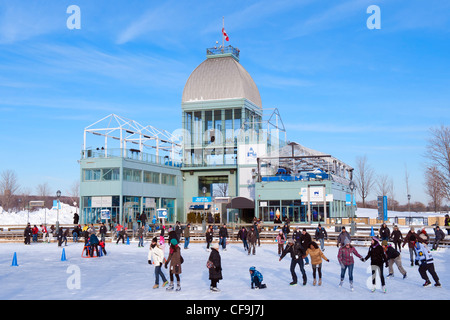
{"x":223,"y":36}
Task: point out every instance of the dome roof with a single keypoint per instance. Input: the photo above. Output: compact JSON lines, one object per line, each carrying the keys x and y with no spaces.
{"x":220,"y":78}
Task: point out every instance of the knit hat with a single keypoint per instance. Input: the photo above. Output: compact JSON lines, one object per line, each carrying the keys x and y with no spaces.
{"x":375,"y":239}
{"x":346,"y":241}
{"x":215,"y":246}
{"x":174,"y":241}
{"x":384,"y":242}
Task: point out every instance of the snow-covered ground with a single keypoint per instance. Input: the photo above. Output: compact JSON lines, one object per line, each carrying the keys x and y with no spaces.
{"x":125,"y":274}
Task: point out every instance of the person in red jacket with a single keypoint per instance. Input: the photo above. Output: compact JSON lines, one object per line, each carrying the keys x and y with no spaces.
{"x":35,"y":232}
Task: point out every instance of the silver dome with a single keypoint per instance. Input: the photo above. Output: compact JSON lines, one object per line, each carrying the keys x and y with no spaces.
{"x":220,"y":78}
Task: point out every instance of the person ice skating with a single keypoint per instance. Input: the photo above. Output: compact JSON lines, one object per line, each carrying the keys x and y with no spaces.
{"x":439,"y":235}
{"x":156,"y":257}
{"x":377,"y":260}
{"x":242,"y":234}
{"x":342,"y":236}
{"x":251,"y":238}
{"x":209,"y":237}
{"x":223,"y":235}
{"x":256,"y":279}
{"x":102,"y":245}
{"x":161,"y":235}
{"x":321,"y":235}
{"x":121,"y":235}
{"x":305,"y":241}
{"x":422,"y":236}
{"x":76,"y":233}
{"x":407,"y":240}
{"x":281,"y":240}
{"x":44,"y":233}
{"x":141,"y":231}
{"x":345,"y":258}
{"x":175,"y":260}
{"x":384,"y":232}
{"x":316,"y":261}
{"x":397,"y":238}
{"x":425,"y":261}
{"x":297,"y":254}
{"x":187,"y":235}
{"x":28,"y":233}
{"x":393,"y":256}
{"x":35,"y":233}
{"x":93,"y":244}
{"x":65,"y":236}
{"x":103,"y":232}
{"x":215,"y":272}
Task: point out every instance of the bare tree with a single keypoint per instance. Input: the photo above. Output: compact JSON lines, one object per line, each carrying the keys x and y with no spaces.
{"x":383,"y":185}
{"x":9,"y":186}
{"x":434,"y":187}
{"x":364,"y":178}
{"x":43,"y":190}
{"x":438,"y":152}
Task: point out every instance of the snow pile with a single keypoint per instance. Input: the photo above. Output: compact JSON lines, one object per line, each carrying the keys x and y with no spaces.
{"x":39,"y":216}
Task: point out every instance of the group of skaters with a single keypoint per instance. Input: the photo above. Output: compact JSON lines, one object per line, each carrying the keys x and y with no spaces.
{"x":384,"y":251}
{"x":91,"y":241}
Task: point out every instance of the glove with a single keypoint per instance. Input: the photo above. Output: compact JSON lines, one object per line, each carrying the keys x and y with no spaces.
{"x":165,"y":265}
{"x":328,"y":260}
{"x":149,"y":261}
{"x":386,"y":265}
{"x":363,"y":260}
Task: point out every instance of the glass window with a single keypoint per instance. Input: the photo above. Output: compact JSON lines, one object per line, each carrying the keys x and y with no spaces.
{"x":151,"y":177}
{"x":92,"y":174}
{"x":168,"y":179}
{"x":132,"y":175}
{"x":110,"y":174}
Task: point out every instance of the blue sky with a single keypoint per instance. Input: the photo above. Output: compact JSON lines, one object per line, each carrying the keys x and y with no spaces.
{"x":341,"y":88}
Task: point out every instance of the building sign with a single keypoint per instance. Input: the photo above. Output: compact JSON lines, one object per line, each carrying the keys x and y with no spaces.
{"x":105,"y":214}
{"x":162,"y":213}
{"x":201,"y":199}
{"x":316,"y":194}
{"x":248,"y":153}
{"x":150,"y":203}
{"x":382,"y":208}
{"x":101,"y":202}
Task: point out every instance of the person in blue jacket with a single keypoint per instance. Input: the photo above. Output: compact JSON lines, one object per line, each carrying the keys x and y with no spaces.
{"x":256,"y":279}
{"x":93,"y":242}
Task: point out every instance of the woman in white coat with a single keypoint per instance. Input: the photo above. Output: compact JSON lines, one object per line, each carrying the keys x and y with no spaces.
{"x":156,"y":256}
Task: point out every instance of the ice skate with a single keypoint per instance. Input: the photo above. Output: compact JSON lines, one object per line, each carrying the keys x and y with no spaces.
{"x":320,"y":282}
{"x":384,"y":289}
{"x":438,"y":285}
{"x":351,"y":286}
{"x":314,"y":282}
{"x":341,"y":283}
{"x":170,"y":287}
{"x":178,"y":288}
{"x":427,"y":283}
{"x":156,"y":286}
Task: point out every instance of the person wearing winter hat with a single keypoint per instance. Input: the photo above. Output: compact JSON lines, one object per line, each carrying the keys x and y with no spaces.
{"x":175,"y":260}
{"x":345,"y":258}
{"x":156,"y":257}
{"x":393,"y":256}
{"x":215,"y":272}
{"x":377,"y":259}
{"x":425,"y":259}
{"x":256,"y":279}
{"x":297,"y":253}
{"x":407,"y":240}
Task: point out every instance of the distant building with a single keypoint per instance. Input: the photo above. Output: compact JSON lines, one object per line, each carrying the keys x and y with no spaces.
{"x":233,"y":162}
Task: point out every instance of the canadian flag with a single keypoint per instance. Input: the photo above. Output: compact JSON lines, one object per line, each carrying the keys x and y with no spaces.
{"x":225,"y":34}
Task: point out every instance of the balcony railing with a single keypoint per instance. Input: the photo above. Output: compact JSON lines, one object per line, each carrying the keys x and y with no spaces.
{"x":223,"y":50}
{"x":133,"y":154}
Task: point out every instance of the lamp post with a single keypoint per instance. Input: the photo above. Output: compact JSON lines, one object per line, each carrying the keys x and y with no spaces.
{"x":352,"y":187}
{"x":58,"y":195}
{"x":409,"y":208}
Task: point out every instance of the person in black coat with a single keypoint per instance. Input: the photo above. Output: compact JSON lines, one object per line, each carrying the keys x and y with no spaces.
{"x":242,"y":234}
{"x":377,"y":260}
{"x":215,"y":271}
{"x":296,"y":236}
{"x":297,"y":253}
{"x":305,"y":241}
{"x":321,"y":235}
{"x":223,"y":235}
{"x":76,"y":218}
{"x":397,"y":238}
{"x":384,"y":232}
{"x":27,"y":234}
